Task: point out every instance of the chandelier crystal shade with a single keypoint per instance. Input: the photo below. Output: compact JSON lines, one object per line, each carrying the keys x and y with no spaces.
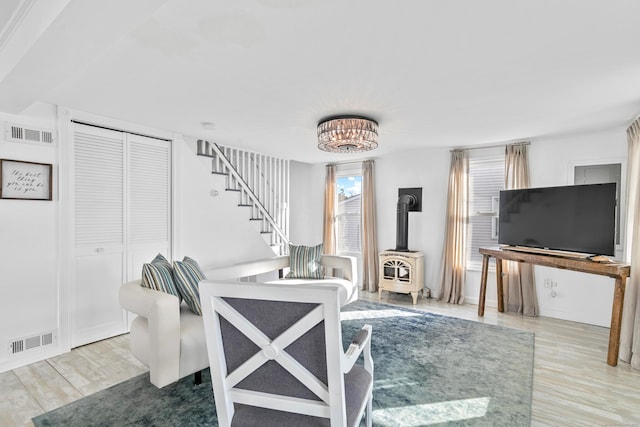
{"x":347,"y":134}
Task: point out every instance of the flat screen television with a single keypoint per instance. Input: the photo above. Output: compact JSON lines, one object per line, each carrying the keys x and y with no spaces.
{"x":577,"y":218}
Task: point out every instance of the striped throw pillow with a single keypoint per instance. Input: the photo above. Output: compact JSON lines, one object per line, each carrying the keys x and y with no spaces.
{"x":187,"y":274}
{"x":158,"y":275}
{"x":304,"y":262}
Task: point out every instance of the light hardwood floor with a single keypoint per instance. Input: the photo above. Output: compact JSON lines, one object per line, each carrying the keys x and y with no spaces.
{"x":572,"y":384}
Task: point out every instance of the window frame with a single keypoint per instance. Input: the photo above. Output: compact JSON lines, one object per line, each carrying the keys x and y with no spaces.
{"x":486,"y":157}
{"x":344,"y":171}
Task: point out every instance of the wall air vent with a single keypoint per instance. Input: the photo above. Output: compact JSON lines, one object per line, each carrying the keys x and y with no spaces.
{"x":19,"y":133}
{"x":22,"y":345}
{"x":16,"y":347}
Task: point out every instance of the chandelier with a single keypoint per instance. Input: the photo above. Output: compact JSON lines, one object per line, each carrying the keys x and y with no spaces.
{"x":347,"y":134}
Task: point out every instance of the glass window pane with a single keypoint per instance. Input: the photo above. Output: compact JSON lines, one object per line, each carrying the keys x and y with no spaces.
{"x":486,"y":179}
{"x":348,"y":213}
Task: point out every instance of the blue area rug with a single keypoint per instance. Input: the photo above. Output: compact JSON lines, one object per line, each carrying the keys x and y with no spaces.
{"x":429,"y":370}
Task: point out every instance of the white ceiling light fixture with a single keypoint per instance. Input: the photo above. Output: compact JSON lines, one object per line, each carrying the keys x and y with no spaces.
{"x":347,"y":134}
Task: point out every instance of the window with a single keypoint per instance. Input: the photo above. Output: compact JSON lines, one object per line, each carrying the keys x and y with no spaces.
{"x":486,"y":179}
{"x":349,"y":189}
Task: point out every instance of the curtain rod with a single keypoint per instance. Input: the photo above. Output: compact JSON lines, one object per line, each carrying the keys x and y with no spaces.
{"x":490,"y":146}
{"x":351,"y":162}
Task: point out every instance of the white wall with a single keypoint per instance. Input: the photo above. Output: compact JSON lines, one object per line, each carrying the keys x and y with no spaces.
{"x":212,"y":230}
{"x":29,"y":247}
{"x":429,"y":169}
{"x":416,"y":168}
{"x":307,"y":203}
{"x":579,"y":297}
{"x":215,"y":231}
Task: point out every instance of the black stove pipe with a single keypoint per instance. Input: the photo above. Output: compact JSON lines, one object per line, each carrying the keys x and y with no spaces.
{"x":402,"y":223}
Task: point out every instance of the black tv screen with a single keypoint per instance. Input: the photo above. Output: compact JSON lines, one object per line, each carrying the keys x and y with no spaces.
{"x":578,"y":218}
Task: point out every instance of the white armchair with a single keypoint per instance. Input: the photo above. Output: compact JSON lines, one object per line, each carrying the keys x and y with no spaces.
{"x":169,"y":339}
{"x":165,"y":335}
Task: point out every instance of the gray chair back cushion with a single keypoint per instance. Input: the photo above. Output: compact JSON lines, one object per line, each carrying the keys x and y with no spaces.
{"x":273,"y":318}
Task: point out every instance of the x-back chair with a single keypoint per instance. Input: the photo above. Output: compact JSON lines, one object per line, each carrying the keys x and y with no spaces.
{"x":277,"y":358}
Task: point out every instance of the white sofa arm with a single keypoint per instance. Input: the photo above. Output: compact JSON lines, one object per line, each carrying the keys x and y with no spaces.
{"x":250,"y":268}
{"x":346,"y":264}
{"x":162,"y":312}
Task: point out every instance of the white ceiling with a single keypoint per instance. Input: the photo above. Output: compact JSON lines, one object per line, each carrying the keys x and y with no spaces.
{"x":434,"y":73}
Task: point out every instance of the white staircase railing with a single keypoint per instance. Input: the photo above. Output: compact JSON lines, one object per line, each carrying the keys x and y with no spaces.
{"x":263,"y":184}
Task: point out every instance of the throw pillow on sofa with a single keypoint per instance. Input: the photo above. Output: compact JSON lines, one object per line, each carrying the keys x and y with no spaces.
{"x":304,"y":262}
{"x":187,"y":274}
{"x":158,"y":275}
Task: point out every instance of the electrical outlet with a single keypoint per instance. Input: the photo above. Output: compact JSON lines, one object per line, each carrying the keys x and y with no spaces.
{"x":547,"y":283}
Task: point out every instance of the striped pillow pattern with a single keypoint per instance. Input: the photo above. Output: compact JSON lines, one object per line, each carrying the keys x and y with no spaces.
{"x":304,"y":262}
{"x":160,"y":259}
{"x":157,"y":275}
{"x":187,"y":274}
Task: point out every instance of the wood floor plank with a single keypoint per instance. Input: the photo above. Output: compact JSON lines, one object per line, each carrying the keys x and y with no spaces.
{"x":17,"y":405}
{"x":96,"y":366}
{"x":50,"y":389}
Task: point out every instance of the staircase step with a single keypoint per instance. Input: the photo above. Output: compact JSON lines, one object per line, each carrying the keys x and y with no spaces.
{"x":233,"y":189}
{"x":245,"y":206}
{"x":220,"y":173}
{"x":256,"y":219}
{"x":266,"y":232}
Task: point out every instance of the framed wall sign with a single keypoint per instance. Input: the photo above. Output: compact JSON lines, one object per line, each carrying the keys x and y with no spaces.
{"x":25,"y":180}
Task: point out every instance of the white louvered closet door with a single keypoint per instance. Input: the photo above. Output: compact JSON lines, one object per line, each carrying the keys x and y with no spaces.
{"x":99,"y":174}
{"x":149,"y":180}
{"x":121,"y":194}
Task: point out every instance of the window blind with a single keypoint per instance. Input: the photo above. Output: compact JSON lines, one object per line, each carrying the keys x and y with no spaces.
{"x":486,"y":179}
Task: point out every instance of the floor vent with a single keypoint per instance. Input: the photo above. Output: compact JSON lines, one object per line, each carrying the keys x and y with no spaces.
{"x":17,"y":133}
{"x":28,"y":343}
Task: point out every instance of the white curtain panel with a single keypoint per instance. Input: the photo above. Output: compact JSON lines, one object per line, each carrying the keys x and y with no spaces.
{"x":519,"y":284}
{"x":630,"y":333}
{"x":369,"y":229}
{"x":328,"y":226}
{"x":454,"y":259}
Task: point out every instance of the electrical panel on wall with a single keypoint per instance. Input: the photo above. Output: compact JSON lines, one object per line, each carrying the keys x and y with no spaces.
{"x":28,"y":134}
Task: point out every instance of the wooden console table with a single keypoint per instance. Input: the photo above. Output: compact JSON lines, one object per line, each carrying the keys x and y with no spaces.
{"x":616,"y":270}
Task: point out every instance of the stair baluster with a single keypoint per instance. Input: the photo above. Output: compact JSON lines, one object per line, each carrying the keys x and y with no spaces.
{"x":262,"y":183}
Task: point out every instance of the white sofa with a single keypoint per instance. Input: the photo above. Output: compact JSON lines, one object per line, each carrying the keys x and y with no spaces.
{"x":169,"y":339}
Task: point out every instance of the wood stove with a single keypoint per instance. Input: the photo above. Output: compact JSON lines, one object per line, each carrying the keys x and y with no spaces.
{"x":402,"y":270}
